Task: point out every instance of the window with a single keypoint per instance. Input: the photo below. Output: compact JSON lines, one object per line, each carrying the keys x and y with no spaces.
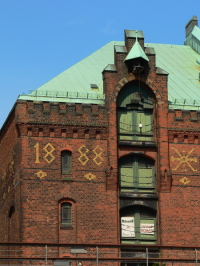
{"x":138,"y":225}
{"x":136,"y":174}
{"x":66,"y":214}
{"x":135,"y":114}
{"x":66,"y":162}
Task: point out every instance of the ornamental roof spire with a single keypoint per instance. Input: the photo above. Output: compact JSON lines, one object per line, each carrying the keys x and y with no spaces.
{"x":136,"y":52}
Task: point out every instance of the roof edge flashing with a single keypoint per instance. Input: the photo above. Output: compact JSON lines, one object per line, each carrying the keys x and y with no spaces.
{"x":160,"y":71}
{"x":110,"y":68}
{"x":120,"y":49}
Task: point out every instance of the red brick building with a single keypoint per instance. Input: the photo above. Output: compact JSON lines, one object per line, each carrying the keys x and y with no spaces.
{"x":108,"y":151}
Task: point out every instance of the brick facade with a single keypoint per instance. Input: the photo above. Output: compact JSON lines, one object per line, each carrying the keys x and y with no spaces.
{"x":31,"y":179}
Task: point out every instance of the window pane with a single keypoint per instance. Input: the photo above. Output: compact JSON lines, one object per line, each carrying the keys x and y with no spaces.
{"x":147,"y":227}
{"x":66,"y":213}
{"x":126,"y":161}
{"x":126,"y":177}
{"x":144,"y":162}
{"x":66,"y":161}
{"x":145,"y":177}
{"x":127,"y":227}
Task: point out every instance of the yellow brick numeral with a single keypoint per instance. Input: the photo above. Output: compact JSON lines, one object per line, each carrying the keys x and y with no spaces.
{"x":98,"y":155}
{"x":83,"y":159}
{"x":49,"y":153}
{"x":37,"y":160}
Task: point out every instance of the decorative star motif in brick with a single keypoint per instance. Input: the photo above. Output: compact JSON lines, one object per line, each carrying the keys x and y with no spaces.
{"x":184,"y":159}
{"x":90,"y":176}
{"x":41,"y":174}
{"x":185,"y":180}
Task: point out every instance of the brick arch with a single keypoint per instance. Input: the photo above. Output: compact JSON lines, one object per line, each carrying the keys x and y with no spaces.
{"x":66,"y":199}
{"x":125,"y":81}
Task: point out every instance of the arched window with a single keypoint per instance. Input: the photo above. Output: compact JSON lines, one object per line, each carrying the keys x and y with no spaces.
{"x":66,"y":162}
{"x":135,"y":114}
{"x":138,"y":225}
{"x":136,"y":173}
{"x":66,"y":214}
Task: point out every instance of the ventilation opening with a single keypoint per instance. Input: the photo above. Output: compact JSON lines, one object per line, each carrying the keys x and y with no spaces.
{"x":11,"y":212}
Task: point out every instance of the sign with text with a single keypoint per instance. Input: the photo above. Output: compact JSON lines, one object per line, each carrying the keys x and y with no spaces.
{"x":147,"y":229}
{"x":127,"y":226}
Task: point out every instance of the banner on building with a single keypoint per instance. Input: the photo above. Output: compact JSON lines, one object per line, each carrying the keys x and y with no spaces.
{"x":147,"y":229}
{"x":127,"y":227}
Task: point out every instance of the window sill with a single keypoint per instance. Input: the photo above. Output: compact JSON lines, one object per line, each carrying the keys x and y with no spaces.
{"x":135,"y":195}
{"x":66,"y":178}
{"x":66,"y":227}
{"x":128,"y":143}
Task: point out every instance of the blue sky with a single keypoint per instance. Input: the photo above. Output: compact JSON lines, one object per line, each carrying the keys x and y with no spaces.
{"x":39,"y":39}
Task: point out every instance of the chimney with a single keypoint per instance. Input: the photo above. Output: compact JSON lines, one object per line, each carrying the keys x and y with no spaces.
{"x":130,"y":38}
{"x":190,"y":25}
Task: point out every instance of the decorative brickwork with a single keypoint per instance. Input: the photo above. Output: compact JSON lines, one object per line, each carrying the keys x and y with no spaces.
{"x":32,"y":183}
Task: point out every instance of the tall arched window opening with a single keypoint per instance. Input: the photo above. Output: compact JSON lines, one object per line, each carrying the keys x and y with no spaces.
{"x":66,"y":214}
{"x":66,"y":162}
{"x":135,"y":114}
{"x":11,"y":224}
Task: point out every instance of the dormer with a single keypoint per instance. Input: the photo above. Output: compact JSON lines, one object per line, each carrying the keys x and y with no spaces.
{"x":136,"y":58}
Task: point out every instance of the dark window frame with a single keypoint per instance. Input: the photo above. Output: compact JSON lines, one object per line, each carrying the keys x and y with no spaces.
{"x":135,"y":106}
{"x":66,"y":210}
{"x":66,"y":166}
{"x":137,"y":212}
{"x":133,"y":165}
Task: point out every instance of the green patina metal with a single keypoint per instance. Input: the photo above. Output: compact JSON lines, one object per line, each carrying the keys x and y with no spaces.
{"x":136,"y":52}
{"x":193,"y":39}
{"x":73,"y":85}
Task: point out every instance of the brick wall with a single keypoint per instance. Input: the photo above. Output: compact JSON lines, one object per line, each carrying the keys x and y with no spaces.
{"x":9,"y":185}
{"x":90,"y":133}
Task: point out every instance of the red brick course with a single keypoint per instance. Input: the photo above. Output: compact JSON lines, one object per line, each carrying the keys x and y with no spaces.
{"x":37,"y":132}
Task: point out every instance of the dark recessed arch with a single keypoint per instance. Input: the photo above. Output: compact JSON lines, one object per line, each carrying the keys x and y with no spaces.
{"x":11,"y":211}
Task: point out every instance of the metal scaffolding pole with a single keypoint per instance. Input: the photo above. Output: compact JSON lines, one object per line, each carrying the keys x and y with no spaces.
{"x":45,"y":255}
{"x":97,"y":255}
{"x":196,"y":257}
{"x":147,"y":256}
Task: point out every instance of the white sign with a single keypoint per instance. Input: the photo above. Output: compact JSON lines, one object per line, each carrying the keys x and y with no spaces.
{"x":127,"y":226}
{"x":147,"y":229}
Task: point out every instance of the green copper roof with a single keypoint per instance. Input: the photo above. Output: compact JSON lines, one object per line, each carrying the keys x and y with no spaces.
{"x":73,"y":85}
{"x":136,"y":52}
{"x":193,"y":39}
{"x":196,"y":32}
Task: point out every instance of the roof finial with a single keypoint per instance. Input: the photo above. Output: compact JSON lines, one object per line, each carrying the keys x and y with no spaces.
{"x":136,"y":35}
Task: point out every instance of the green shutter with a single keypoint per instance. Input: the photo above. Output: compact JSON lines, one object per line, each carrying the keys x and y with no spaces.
{"x":145,"y":118}
{"x":145,"y":177}
{"x":125,"y":125}
{"x":126,"y":177}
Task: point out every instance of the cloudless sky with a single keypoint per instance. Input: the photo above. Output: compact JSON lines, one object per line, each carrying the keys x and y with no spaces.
{"x":39,"y":39}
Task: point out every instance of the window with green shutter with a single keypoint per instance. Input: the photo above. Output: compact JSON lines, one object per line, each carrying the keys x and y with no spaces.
{"x":134,"y":108}
{"x":136,"y":173}
{"x":138,"y":225}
